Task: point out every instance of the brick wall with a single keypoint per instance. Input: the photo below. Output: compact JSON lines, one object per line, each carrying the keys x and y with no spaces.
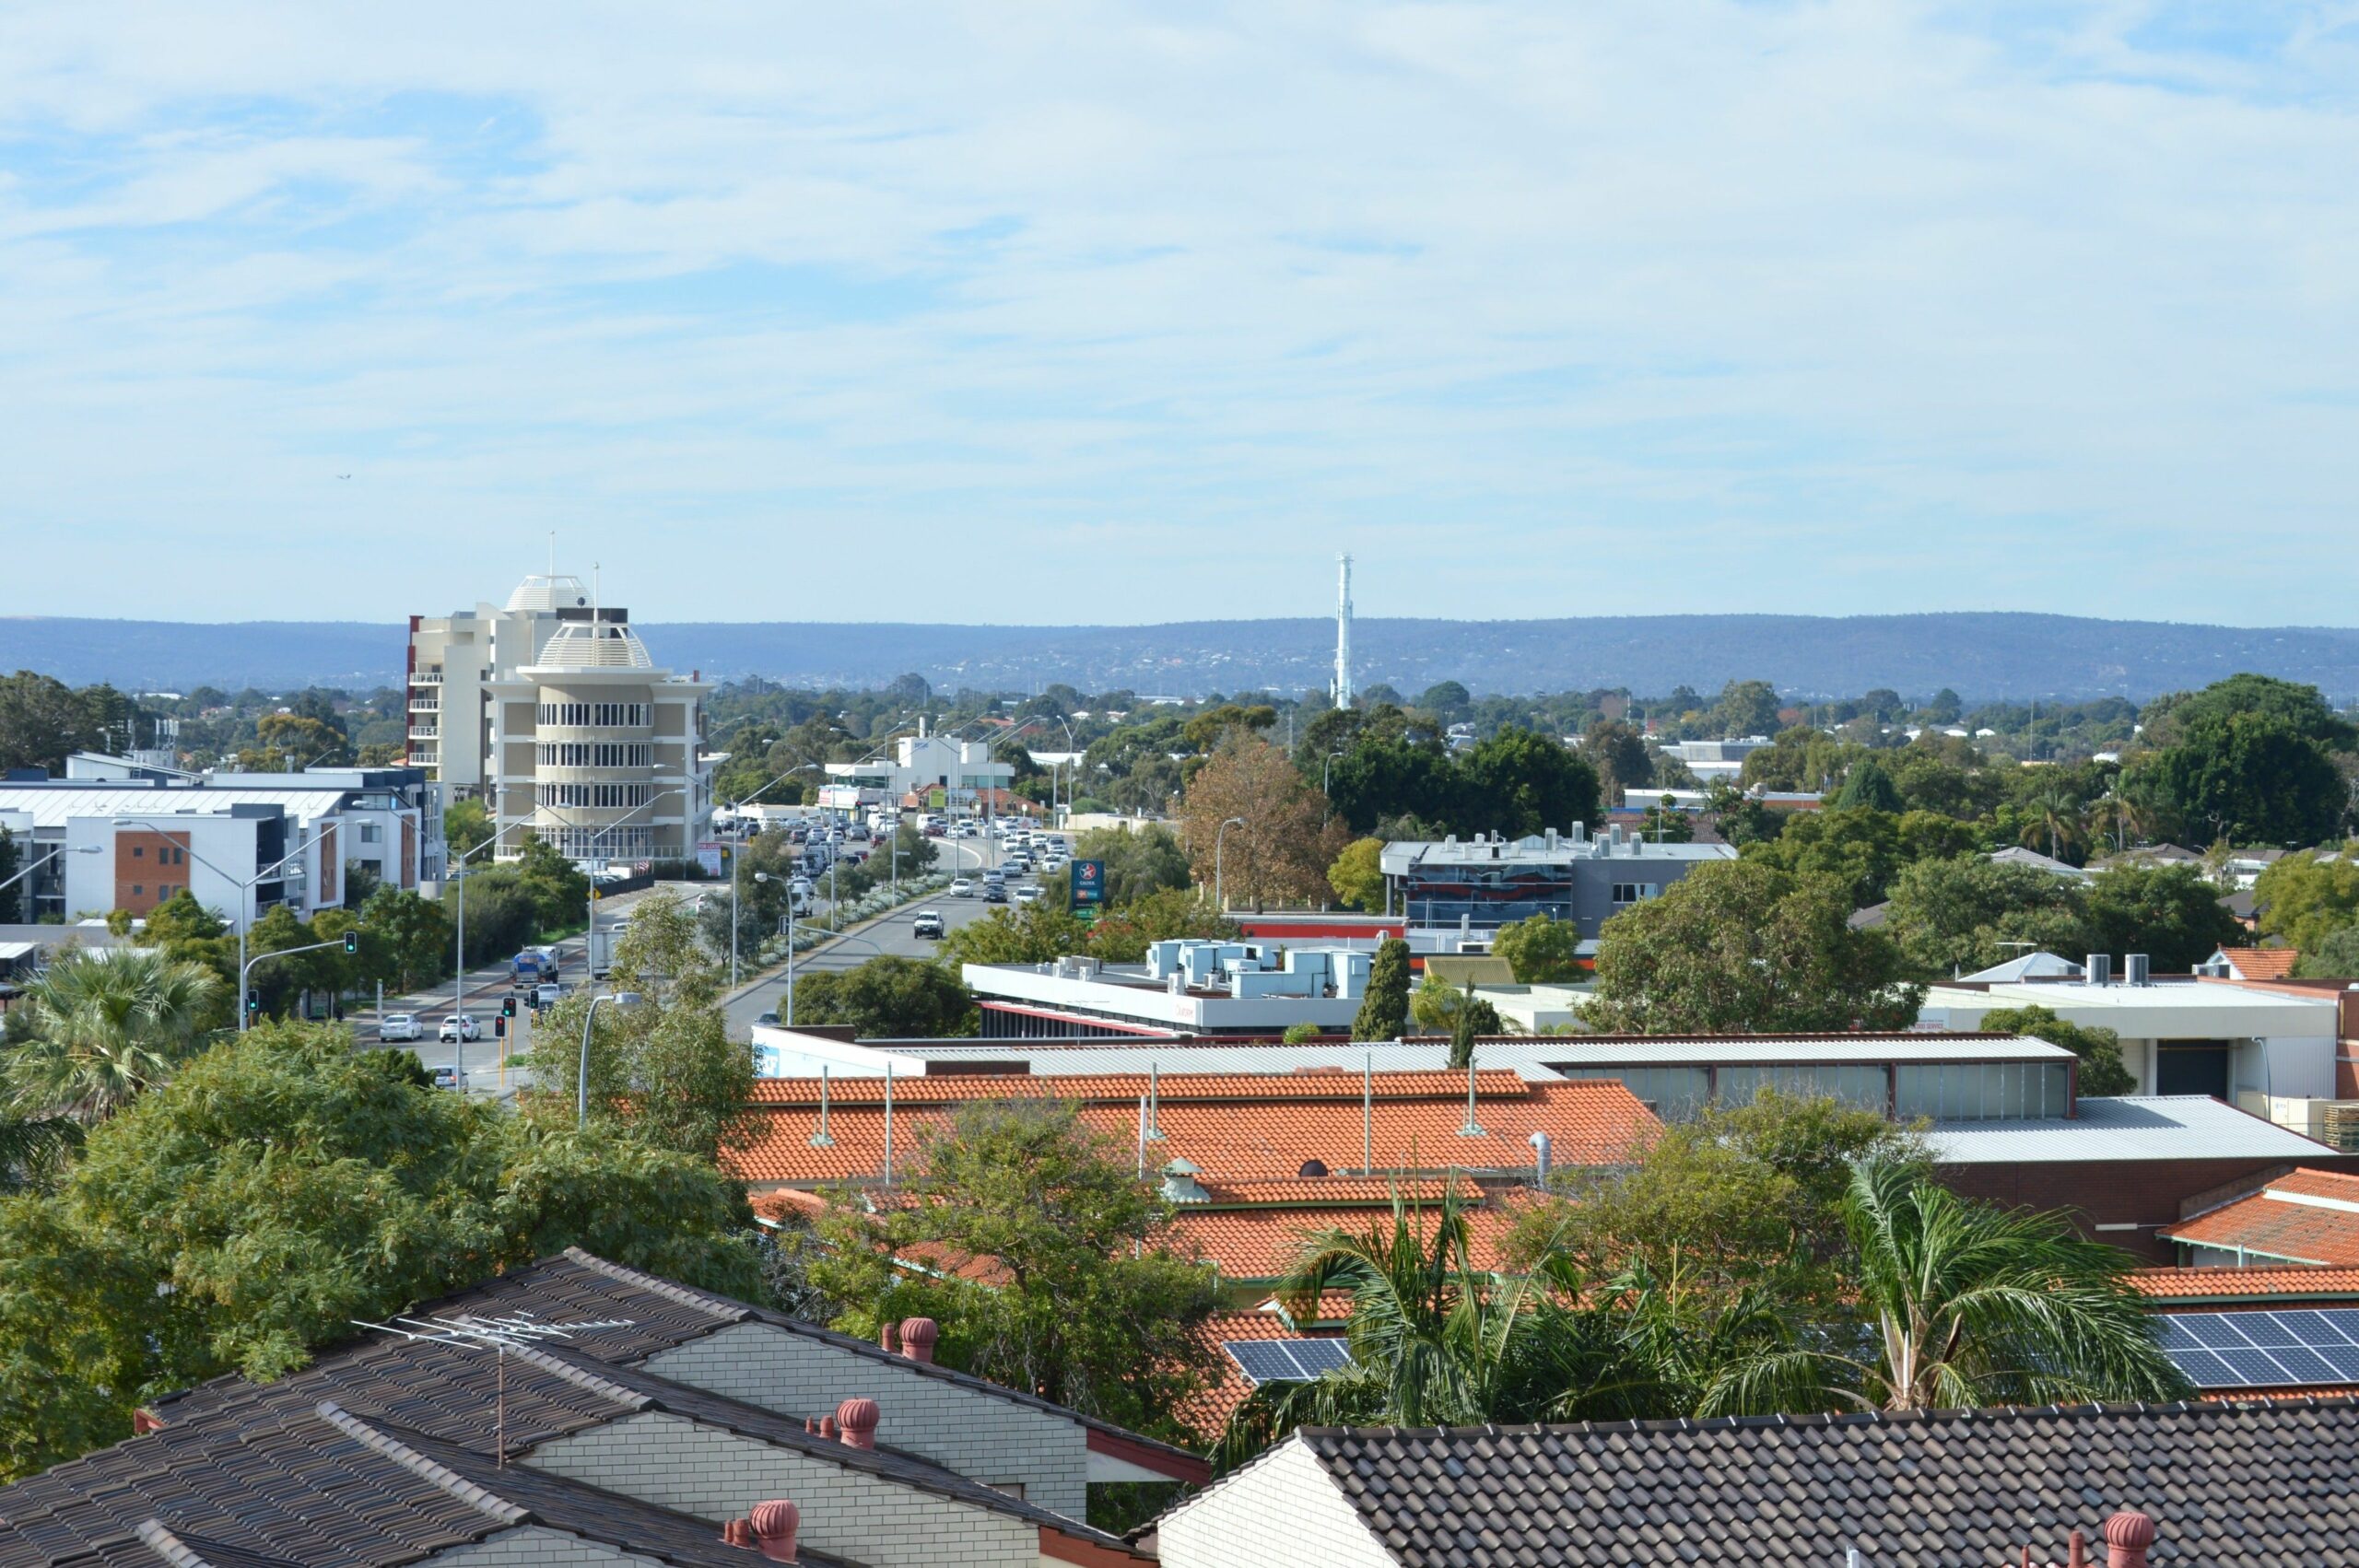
{"x":2144,"y":1194}
{"x":532,"y":1546}
{"x":1279,"y":1512}
{"x":331,"y":869}
{"x":145,"y":865}
{"x":719,"y":1476}
{"x":985,"y":1438}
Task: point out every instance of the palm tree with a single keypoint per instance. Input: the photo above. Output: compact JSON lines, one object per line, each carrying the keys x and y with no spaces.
{"x":107,"y":1026}
{"x":1434,"y":1341}
{"x":2055,"y":812}
{"x":1968,"y":1303}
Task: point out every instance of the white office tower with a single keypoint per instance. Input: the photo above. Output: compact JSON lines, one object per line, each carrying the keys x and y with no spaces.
{"x":550,"y":711}
{"x":1344,"y":632}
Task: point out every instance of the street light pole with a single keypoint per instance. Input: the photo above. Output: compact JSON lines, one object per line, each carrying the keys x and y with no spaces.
{"x":1220,"y":899}
{"x":623,"y":999}
{"x":245,"y":889}
{"x":60,"y":849}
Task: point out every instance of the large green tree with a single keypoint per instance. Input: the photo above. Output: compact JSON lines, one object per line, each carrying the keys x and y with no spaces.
{"x":42,"y":720}
{"x":1042,"y":1263}
{"x":1144,"y":860}
{"x":1539,"y":951}
{"x":2250,"y":760}
{"x":664,"y":1072}
{"x":284,"y":1184}
{"x":1958,"y":916}
{"x":886,"y":999}
{"x":2169,"y":913}
{"x":1735,"y":947}
{"x":1519,"y":781}
{"x":2306,"y":898}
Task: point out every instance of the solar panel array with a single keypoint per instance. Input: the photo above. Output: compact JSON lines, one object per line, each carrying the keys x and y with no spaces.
{"x":1287,"y":1360}
{"x":2264,"y":1349}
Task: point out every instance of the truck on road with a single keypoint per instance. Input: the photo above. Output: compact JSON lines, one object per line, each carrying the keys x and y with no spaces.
{"x":602,"y":952}
{"x":535,"y":967}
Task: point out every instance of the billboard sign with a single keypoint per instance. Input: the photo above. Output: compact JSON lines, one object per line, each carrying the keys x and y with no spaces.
{"x":710,"y":856}
{"x":1088,"y":885}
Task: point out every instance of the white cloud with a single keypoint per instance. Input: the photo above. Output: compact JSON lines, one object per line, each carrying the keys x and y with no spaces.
{"x":1839,"y":306}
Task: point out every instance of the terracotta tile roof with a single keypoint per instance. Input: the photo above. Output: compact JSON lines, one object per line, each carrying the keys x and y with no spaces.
{"x":2191,"y":1286}
{"x":1262,"y":1130}
{"x":2261,"y":963}
{"x":2308,"y":1216}
{"x":1264,"y":1244}
{"x":1346,"y":1190}
{"x":1207,"y":1411}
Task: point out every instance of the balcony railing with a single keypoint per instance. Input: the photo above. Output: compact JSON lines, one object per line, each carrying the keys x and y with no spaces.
{"x":425,"y":705}
{"x":426,"y":675}
{"x":425,"y":732}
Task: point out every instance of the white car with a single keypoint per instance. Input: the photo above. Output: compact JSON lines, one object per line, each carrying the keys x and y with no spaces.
{"x":460,"y":1026}
{"x":927,"y":924}
{"x":399,"y":1027}
{"x":446,"y":1077}
{"x":1027,"y":894}
{"x":962,"y":888}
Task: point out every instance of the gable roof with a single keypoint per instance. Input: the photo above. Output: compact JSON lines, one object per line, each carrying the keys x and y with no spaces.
{"x":1233,"y":1127}
{"x":2303,"y":1216}
{"x":664,"y":1315}
{"x":2233,"y":1485}
{"x":449,"y":1394}
{"x":298,"y":1482}
{"x":2258,"y":963}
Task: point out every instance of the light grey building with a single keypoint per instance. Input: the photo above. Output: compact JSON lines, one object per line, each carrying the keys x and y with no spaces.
{"x":1482,"y":883}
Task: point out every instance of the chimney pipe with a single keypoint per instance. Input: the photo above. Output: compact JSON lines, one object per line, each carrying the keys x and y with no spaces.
{"x":775,"y":1525}
{"x":888,"y":1336}
{"x":828,"y":1428}
{"x":2127,"y":1536}
{"x":856,"y":1419}
{"x":1539,"y":1142}
{"x":918,"y":1337}
{"x":739,"y":1532}
{"x":2076,"y":1551}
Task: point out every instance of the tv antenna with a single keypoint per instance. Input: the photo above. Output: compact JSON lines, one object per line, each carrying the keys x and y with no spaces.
{"x":509,"y":1331}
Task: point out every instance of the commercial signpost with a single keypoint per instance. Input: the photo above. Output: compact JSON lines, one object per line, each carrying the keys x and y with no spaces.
{"x":1088,"y":883}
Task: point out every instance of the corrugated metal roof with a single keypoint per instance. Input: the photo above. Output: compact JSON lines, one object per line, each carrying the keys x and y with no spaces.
{"x":2139,"y":1127}
{"x":53,"y":808}
{"x":1529,"y":1056}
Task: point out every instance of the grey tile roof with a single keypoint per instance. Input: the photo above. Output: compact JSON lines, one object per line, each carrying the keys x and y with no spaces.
{"x":291,"y":1483}
{"x":451,"y":1393}
{"x":576,"y":1284}
{"x":2253,"y":1485}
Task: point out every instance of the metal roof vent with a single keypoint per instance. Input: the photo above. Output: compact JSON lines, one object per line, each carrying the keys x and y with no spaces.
{"x":2137,"y":969}
{"x":1180,"y":1186}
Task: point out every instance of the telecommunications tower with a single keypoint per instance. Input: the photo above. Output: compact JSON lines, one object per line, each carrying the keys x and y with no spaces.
{"x":1343,"y":632}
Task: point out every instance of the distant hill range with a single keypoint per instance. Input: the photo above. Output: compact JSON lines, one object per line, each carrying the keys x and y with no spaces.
{"x":1979,"y":655}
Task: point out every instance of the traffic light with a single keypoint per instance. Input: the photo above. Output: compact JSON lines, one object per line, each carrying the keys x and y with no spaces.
{"x":508,"y":1007}
{"x":352,"y":942}
{"x":253,"y":1000}
{"x":499,"y":1026}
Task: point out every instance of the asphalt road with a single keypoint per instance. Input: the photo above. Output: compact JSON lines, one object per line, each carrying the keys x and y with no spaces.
{"x":890,"y":937}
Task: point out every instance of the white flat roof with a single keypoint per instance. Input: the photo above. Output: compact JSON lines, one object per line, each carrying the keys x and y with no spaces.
{"x":2140,"y":1126}
{"x":53,"y":808}
{"x":2196,"y":1009}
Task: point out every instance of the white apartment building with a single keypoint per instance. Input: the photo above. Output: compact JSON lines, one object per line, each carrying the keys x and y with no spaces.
{"x":115,"y":836}
{"x":959,"y":771}
{"x":551,"y":711}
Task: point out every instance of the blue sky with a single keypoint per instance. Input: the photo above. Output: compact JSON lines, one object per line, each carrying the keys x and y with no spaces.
{"x":1067,"y":311}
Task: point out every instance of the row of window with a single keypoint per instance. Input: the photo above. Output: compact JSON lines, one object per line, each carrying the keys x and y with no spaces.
{"x":596,"y":715}
{"x":597,"y":797}
{"x":1964,"y":1091}
{"x":163,"y":890}
{"x":1627,"y":893}
{"x":166,"y":854}
{"x":594,"y":753}
{"x":633,"y":841}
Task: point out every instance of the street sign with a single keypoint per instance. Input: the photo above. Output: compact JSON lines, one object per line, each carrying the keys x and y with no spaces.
{"x":708,"y":858}
{"x":1089,"y":885}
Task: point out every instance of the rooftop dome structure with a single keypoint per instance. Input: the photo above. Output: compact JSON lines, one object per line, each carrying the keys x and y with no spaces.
{"x":593,"y":645}
{"x":544,"y":592}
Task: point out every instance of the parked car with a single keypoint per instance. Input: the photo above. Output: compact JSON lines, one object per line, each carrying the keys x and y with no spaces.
{"x":399,"y":1027}
{"x":927,"y":924}
{"x":460,"y":1026}
{"x":962,"y":888}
